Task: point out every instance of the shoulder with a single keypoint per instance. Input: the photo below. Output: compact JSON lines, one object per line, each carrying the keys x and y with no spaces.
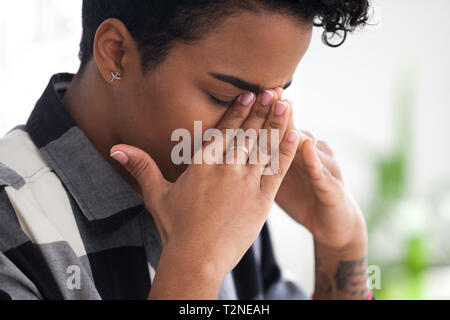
{"x":11,"y":233}
{"x":19,"y":158}
{"x":17,"y":161}
{"x":9,"y":177}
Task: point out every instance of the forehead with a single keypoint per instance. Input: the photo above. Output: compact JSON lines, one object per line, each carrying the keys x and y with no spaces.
{"x":260,"y":48}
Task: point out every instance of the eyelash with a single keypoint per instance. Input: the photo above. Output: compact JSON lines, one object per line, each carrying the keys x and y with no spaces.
{"x":222,"y":103}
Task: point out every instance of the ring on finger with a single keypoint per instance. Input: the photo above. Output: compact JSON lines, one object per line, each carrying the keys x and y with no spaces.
{"x":241,"y":148}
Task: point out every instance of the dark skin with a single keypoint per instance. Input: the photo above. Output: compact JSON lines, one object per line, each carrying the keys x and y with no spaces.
{"x":142,"y":110}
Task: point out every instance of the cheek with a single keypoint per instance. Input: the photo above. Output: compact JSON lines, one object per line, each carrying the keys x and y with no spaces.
{"x":189,"y":108}
{"x":167,"y":108}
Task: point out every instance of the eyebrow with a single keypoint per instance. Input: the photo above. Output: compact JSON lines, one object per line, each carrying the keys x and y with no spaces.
{"x":242,"y":84}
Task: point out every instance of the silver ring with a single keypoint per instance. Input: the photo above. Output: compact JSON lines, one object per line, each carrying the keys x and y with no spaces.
{"x":242,"y":148}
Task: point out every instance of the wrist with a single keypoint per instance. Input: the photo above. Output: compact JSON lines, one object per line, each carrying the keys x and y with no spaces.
{"x":181,"y":276}
{"x":351,"y":242}
{"x":206,"y":259}
{"x":341,"y":273}
{"x":353,"y":250}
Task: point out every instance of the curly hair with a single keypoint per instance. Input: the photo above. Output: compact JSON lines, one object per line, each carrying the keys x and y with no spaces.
{"x":339,"y":16}
{"x":157,"y":24}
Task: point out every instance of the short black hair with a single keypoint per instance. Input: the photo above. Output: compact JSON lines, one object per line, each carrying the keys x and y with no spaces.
{"x":156,"y":24}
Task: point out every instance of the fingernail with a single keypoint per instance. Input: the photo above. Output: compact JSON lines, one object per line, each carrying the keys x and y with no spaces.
{"x":246,"y":99}
{"x":293,"y":136}
{"x":266,"y":98}
{"x":280,"y":108}
{"x":120,"y":157}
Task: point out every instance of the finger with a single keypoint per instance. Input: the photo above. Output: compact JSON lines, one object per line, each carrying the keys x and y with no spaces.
{"x":288,"y":148}
{"x":279,"y":91}
{"x":238,"y":151}
{"x":260,"y":110}
{"x":308,"y":134}
{"x":323,"y":151}
{"x":259,"y":114}
{"x":330,"y":163}
{"x":143,"y":168}
{"x":274,"y":130}
{"x":235,"y":116}
{"x":324,"y":147}
{"x":304,"y":136}
{"x":322,"y":181}
{"x":291,"y":125}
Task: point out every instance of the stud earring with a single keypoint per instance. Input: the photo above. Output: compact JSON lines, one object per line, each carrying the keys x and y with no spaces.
{"x":115,"y":76}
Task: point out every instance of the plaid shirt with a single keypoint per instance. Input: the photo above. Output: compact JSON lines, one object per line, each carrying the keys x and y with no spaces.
{"x":71,"y":228}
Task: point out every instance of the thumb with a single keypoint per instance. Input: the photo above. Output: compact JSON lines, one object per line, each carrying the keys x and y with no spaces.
{"x":142,"y":167}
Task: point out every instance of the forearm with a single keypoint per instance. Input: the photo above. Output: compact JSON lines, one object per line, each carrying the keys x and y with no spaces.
{"x":341,"y":274}
{"x":179,"y":278}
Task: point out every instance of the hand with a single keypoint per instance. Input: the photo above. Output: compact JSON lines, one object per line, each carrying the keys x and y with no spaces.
{"x":212,"y":214}
{"x":314,"y":194}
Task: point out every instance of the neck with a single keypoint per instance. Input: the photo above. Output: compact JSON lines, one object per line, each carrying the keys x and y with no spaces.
{"x":87,"y":101}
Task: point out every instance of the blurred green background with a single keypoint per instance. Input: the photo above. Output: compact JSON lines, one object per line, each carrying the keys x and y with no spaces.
{"x":403,"y":220}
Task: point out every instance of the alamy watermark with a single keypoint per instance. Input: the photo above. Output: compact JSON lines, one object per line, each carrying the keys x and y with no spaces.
{"x":374,"y":277}
{"x":234,"y":146}
{"x":74,"y":277}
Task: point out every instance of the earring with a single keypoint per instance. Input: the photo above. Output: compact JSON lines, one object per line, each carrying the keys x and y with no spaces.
{"x":115,"y":76}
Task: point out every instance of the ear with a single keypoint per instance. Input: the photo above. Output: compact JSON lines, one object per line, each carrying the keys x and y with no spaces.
{"x":112,"y":44}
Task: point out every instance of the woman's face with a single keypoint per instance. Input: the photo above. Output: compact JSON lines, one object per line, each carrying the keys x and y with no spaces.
{"x":261,"y":50}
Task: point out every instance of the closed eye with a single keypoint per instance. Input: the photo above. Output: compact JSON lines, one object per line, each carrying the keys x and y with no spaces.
{"x":221,"y":102}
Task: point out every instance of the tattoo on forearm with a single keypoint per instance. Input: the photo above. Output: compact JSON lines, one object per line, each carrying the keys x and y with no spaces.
{"x":350,"y":279}
{"x":347,"y":270}
{"x":323,"y":283}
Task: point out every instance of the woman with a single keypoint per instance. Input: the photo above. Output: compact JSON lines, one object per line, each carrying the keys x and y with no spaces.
{"x":97,"y":153}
